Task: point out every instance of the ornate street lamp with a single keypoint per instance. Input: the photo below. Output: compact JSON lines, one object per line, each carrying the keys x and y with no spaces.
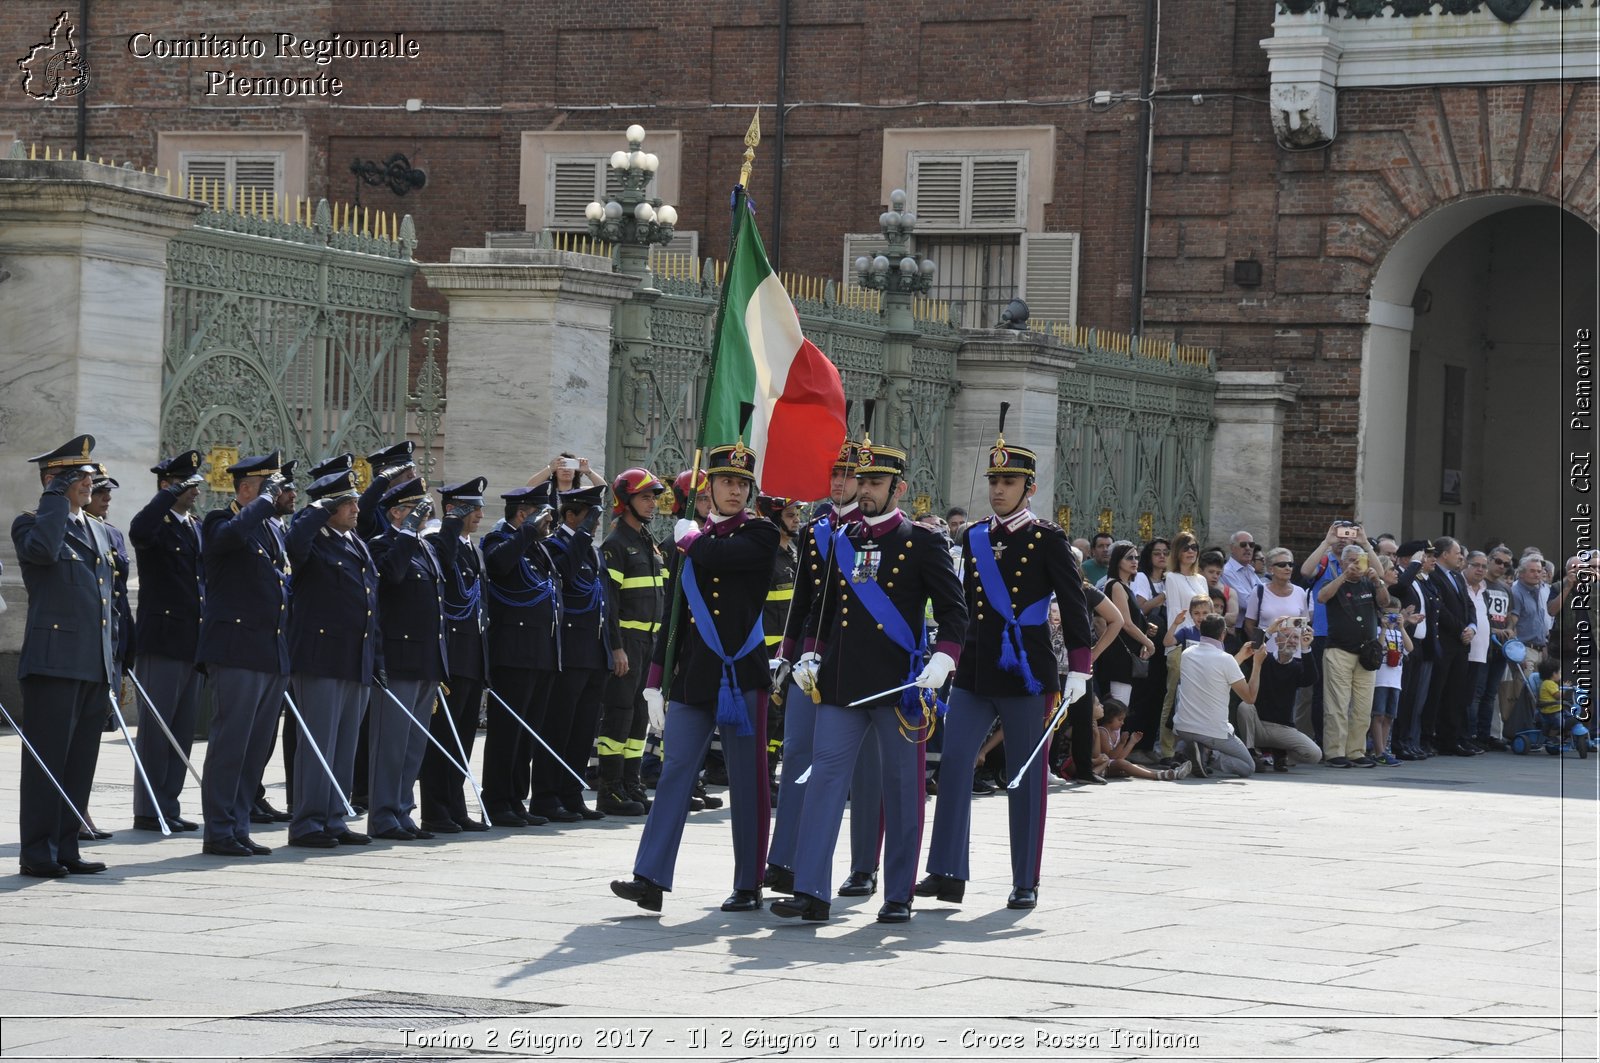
{"x":899,"y":270}
{"x":631,"y":217}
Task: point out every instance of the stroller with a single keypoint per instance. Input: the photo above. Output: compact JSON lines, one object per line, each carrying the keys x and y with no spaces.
{"x":1558,"y":731}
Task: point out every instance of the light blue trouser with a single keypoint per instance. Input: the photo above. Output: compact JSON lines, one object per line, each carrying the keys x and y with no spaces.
{"x":866,"y":789}
{"x":395,"y":748}
{"x":174,"y":686}
{"x":242,"y":725}
{"x":333,"y":709}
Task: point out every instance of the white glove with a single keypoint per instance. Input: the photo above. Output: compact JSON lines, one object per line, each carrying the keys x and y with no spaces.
{"x":683,"y":529}
{"x":656,"y":706}
{"x":937,"y":671}
{"x":805,"y":672}
{"x":1077,"y":686}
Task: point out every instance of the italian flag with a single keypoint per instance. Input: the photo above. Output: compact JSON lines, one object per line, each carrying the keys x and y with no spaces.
{"x":762,"y":358}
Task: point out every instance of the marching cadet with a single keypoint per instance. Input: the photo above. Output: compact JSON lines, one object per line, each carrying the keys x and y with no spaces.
{"x":415,"y":653}
{"x":166,"y":542}
{"x":572,"y":719}
{"x":881,"y":574}
{"x":524,"y":648}
{"x":262,"y":811}
{"x":800,"y":713}
{"x":244,"y":647}
{"x":444,"y":807}
{"x":637,"y":572}
{"x":67,"y":661}
{"x":1012,"y":564}
{"x":785,"y":513}
{"x":719,"y":682}
{"x":337,"y":655}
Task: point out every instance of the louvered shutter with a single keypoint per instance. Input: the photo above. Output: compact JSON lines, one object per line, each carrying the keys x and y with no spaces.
{"x":1049,"y":281}
{"x":573,"y":185}
{"x":995,"y":199}
{"x":257,"y":172}
{"x":937,"y":190}
{"x":683,"y":252}
{"x":856,"y":245}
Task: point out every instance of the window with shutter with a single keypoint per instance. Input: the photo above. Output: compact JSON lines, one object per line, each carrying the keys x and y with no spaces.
{"x":572,"y":182}
{"x":1049,"y":276}
{"x":257,"y":171}
{"x":938,"y":187}
{"x":856,"y":245}
{"x":969,"y":191}
{"x":678,"y":259}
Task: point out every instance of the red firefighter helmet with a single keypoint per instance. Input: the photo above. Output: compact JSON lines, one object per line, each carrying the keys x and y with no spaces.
{"x":681,"y":489}
{"x":630,"y":482}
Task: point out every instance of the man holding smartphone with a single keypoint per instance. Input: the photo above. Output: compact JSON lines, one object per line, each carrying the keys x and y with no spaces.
{"x":1319,"y":567}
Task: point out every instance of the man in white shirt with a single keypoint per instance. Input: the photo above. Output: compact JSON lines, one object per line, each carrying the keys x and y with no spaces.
{"x":1239,"y":573}
{"x":1200,"y":717}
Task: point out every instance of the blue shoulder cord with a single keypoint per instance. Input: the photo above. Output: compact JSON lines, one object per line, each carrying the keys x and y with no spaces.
{"x":732,"y":710}
{"x":883,"y":611}
{"x":1013,"y":657}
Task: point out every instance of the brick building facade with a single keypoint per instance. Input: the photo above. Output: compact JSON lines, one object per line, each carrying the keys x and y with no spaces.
{"x":864,"y":83}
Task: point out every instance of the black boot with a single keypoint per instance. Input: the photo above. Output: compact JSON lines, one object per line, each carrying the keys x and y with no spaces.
{"x":705,"y":799}
{"x":614,"y":801}
{"x":947,"y":889}
{"x":632,"y":785}
{"x":640,"y":891}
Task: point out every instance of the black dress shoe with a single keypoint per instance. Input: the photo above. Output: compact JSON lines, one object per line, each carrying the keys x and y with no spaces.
{"x":778,"y":879}
{"x":1404,"y":753}
{"x":860,"y":884}
{"x":640,"y":891}
{"x":562,"y":815}
{"x":396,"y":834}
{"x":317,"y":839}
{"x":226,"y":847}
{"x":83,"y":867}
{"x":743,"y":901}
{"x":422,"y":833}
{"x":508,"y":819}
{"x":1463,"y":750}
{"x":981,"y":785}
{"x":255,"y":848}
{"x":96,"y":835}
{"x":151,"y":823}
{"x":471,"y":826}
{"x":895,"y":912}
{"x":1023,"y":897}
{"x":801,"y":906}
{"x":942,"y":887}
{"x":50,"y":870}
{"x":352,"y":837}
{"x":260,"y":816}
{"x":179,"y":823}
{"x":583,"y":811}
{"x":449,"y":827}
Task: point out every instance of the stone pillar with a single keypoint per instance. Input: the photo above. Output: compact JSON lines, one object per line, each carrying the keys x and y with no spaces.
{"x":83,"y":271}
{"x":530,"y":358}
{"x":1247,"y":454}
{"x":1022,"y":368}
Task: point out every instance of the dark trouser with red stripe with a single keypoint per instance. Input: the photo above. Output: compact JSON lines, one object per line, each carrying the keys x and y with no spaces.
{"x":688,"y":736}
{"x":966,"y":726}
{"x":839,"y":735}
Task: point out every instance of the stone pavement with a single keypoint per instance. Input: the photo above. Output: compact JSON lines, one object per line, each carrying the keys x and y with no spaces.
{"x":1443,"y":910}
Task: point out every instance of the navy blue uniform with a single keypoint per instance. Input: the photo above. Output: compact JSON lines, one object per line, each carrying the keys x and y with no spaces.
{"x":467,"y":650}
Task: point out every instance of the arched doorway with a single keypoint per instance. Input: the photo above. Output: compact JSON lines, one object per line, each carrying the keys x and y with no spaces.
{"x":1469,"y":315}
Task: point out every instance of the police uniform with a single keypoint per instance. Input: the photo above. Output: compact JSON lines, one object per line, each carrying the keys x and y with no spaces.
{"x":524,"y":606}
{"x":262,"y":811}
{"x":67,"y":661}
{"x":1011,"y":566}
{"x":245,"y":648}
{"x":167,"y":632}
{"x":881,"y":575}
{"x":572,"y":718}
{"x":637,"y":572}
{"x":800,"y":719}
{"x":444,"y":805}
{"x":411,"y":617}
{"x":719,"y":683}
{"x":337,"y":652}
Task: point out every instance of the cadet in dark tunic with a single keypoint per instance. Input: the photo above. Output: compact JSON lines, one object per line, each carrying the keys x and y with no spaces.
{"x":720,"y":682}
{"x":572,"y":719}
{"x":637,"y":571}
{"x":411,"y":616}
{"x":245,"y":648}
{"x":67,"y":659}
{"x":444,"y":806}
{"x":1012,"y":564}
{"x":524,"y":647}
{"x":166,"y":543}
{"x":337,"y":655}
{"x":883,"y":572}
{"x":785,"y":514}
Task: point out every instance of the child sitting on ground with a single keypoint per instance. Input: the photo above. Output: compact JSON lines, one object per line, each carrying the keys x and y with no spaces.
{"x":1114,"y":747}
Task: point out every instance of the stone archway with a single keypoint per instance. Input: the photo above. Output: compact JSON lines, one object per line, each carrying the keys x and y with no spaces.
{"x":1472,"y":252}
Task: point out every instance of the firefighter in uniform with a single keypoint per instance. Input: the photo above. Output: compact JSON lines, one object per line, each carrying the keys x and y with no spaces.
{"x":800,"y":710}
{"x":881,"y":573}
{"x":720,"y":683}
{"x":1012,"y":564}
{"x":637,"y":571}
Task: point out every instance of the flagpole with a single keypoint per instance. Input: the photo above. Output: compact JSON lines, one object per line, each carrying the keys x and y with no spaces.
{"x":752,"y":137}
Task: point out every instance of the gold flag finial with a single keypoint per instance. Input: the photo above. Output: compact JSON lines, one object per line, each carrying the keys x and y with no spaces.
{"x":752,"y":137}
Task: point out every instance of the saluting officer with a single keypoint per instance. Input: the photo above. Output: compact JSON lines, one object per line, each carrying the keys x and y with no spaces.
{"x":524,"y":647}
{"x":337,"y":655}
{"x":720,"y":683}
{"x":391,"y":465}
{"x":637,"y":572}
{"x":800,"y":711}
{"x":67,"y":660}
{"x":262,"y":810}
{"x":166,"y":542}
{"x":1012,"y":564}
{"x":881,"y":575}
{"x":444,"y":807}
{"x":411,"y":614}
{"x":99,"y":509}
{"x":244,"y":646}
{"x":572,"y":720}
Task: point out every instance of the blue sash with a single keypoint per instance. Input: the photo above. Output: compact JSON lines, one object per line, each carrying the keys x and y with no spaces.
{"x":732,"y":710}
{"x":882,"y":610}
{"x":1013,"y":657}
{"x":821,"y":531}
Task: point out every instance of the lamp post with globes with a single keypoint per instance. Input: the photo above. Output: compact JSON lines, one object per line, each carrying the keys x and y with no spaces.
{"x":630,"y":219}
{"x":899,"y":273}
